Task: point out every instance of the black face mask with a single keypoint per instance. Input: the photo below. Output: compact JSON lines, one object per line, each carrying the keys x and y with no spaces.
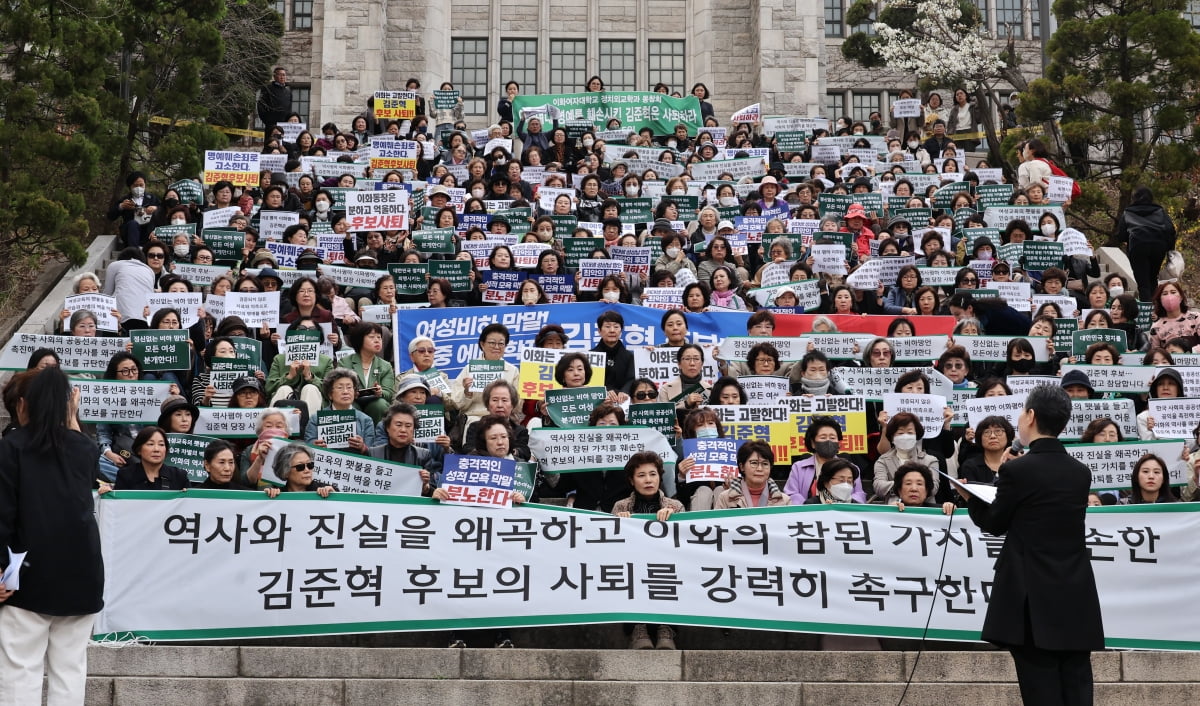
{"x":1022,"y":366}
{"x":170,"y":203}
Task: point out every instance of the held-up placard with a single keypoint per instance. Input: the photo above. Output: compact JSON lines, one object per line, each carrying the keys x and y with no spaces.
{"x":927,"y":408}
{"x":1083,"y":412}
{"x":302,"y":346}
{"x":335,"y":427}
{"x":1175,"y":418}
{"x":238,"y":168}
{"x":1009,"y":406}
{"x":715,"y":459}
{"x":186,"y":303}
{"x":764,"y":389}
{"x":478,"y":480}
{"x":116,"y":402}
{"x":161,"y":349}
{"x":100,"y":305}
{"x":255,"y":308}
{"x":377,"y":210}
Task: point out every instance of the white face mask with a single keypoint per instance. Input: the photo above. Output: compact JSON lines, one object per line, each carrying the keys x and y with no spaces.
{"x":678,"y":192}
{"x":478,"y":193}
{"x":905,"y":442}
{"x":1116,"y":291}
{"x":138,"y":192}
{"x":672,"y":144}
{"x":588,"y":143}
{"x":1049,"y":229}
{"x":913,"y":144}
{"x":178,"y":221}
{"x":728,"y":201}
{"x":611,"y":296}
{"x":529,"y":297}
{"x":181,"y":250}
{"x":631,"y":190}
{"x":672,"y":252}
{"x":707,"y":433}
{"x":322,"y":206}
{"x":841,"y":491}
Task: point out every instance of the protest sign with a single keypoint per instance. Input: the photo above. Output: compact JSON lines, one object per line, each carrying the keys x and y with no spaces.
{"x":906,"y":108}
{"x":377,"y":210}
{"x":271,"y":224}
{"x":224,"y":372}
{"x":1041,"y":255}
{"x":570,"y":408}
{"x":1015,"y":294}
{"x":350,"y":472}
{"x":738,"y":347}
{"x":254,"y":308}
{"x":395,"y":105}
{"x":354,"y":276}
{"x":877,"y":382}
{"x":502,"y":285}
{"x":226,"y":243}
{"x":658,"y":364}
{"x":335,"y":427}
{"x":77,"y":354}
{"x":186,"y":303}
{"x":1009,"y":406}
{"x":431,"y":423}
{"x":836,"y":346}
{"x":1130,"y":379}
{"x":478,"y":480}
{"x":432,"y":241}
{"x":1139,"y":554}
{"x":118,"y":402}
{"x":410,"y":278}
{"x":286,"y":254}
{"x":1058,"y":190}
{"x":764,"y":389}
{"x":100,"y":306}
{"x":591,"y":272}
{"x":188,"y":190}
{"x":394,"y":154}
{"x":995,"y":348}
{"x":559,"y":289}
{"x":749,"y":114}
{"x":456,"y":272}
{"x":927,"y":408}
{"x":715,"y":459}
{"x":918,"y":348}
{"x":594,"y":448}
{"x":938,"y":276}
{"x":537,"y":370}
{"x":634,"y":110}
{"x":236,"y":423}
{"x":302,"y":346}
{"x":162,"y":349}
{"x":186,"y":452}
{"x":829,"y":259}
{"x":238,"y":168}
{"x":1084,"y":412}
{"x":1112,"y":463}
{"x":199,"y":275}
{"x":655,"y":415}
{"x":1175,"y":418}
{"x":525,"y":255}
{"x":1082,"y":338}
{"x":636,"y":260}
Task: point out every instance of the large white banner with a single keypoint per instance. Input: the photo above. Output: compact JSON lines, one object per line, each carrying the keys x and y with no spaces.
{"x":301,"y":565}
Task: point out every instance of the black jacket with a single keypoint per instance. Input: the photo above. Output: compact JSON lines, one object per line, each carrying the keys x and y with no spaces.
{"x":274,"y":103}
{"x":46,"y":509}
{"x":133,"y":477}
{"x":1146,"y":224}
{"x":619,"y":371}
{"x":1044,"y":567}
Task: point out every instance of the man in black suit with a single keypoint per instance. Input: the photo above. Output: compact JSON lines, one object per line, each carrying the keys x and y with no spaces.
{"x":1044,"y":608}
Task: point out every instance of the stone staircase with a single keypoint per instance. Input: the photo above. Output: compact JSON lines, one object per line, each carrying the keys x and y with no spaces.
{"x":315,"y":676}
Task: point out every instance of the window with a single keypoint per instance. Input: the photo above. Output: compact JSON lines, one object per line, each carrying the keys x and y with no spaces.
{"x":468,"y":71}
{"x":568,"y":65}
{"x":302,"y":102}
{"x":1191,"y":13}
{"x":833,"y":18}
{"x":864,"y":105}
{"x":982,"y":6}
{"x":278,"y":6}
{"x":302,"y":11}
{"x":867,"y":27}
{"x":518,"y":62}
{"x":1035,"y":11}
{"x":835,"y":106}
{"x":617,"y":65}
{"x":666,"y":64}
{"x":1008,"y":19}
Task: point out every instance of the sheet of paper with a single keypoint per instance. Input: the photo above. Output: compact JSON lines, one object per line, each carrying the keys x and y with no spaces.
{"x":986,"y":493}
{"x":12,"y":574}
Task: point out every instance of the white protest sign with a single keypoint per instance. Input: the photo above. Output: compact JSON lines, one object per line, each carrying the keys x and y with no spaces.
{"x":350,"y":472}
{"x":271,"y":224}
{"x":335,"y":427}
{"x":1065,"y":304}
{"x":186,"y":303}
{"x":594,"y":448}
{"x":1131,"y":379}
{"x":1112,"y":464}
{"x":829,"y":259}
{"x":236,"y":423}
{"x":1083,"y":412}
{"x":1009,"y":406}
{"x":749,"y":114}
{"x":1175,"y":418}
{"x":866,"y":277}
{"x":377,"y":210}
{"x":351,"y":276}
{"x":100,"y":305}
{"x":591,"y":272}
{"x":1058,"y":190}
{"x":659,"y":365}
{"x":1016,"y":294}
{"x":835,"y":346}
{"x":995,"y":348}
{"x":1075,"y":243}
{"x":255,"y":308}
{"x":764,"y":389}
{"x":874,"y":383}
{"x":906,"y":108}
{"x":1023,"y":384}
{"x":291,"y":130}
{"x":219,"y":217}
{"x":77,"y":354}
{"x":927,"y":408}
{"x":738,"y":347}
{"x":199,"y":275}
{"x":117,"y":402}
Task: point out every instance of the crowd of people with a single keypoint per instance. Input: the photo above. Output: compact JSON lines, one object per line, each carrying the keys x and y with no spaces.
{"x":729,"y":244}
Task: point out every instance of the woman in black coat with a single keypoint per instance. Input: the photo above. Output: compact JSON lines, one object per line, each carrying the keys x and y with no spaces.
{"x":1148,"y":234}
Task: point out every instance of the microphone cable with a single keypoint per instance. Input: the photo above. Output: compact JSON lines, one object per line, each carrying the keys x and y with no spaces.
{"x":929,"y":617}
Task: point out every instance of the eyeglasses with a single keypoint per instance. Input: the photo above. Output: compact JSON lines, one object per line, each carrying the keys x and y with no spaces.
{"x":424,"y":351}
{"x":758,"y":463}
{"x":994,"y":431}
{"x":646,"y":395}
{"x":127,"y":371}
{"x":970,"y":280}
{"x":155,"y":256}
{"x":881,"y":354}
{"x":495,"y":343}
{"x":304,"y":466}
{"x":954,"y":365}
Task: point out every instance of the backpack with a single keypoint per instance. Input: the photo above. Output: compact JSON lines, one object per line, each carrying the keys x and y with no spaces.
{"x":1076,"y":192}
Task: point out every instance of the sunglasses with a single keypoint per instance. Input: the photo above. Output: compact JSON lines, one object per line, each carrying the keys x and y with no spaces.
{"x":304,"y":466}
{"x":644,"y":395}
{"x":155,"y":256}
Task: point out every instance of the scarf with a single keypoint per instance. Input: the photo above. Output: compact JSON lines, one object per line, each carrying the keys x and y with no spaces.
{"x":737,"y":485}
{"x":814,"y":387}
{"x":646,"y":506}
{"x":722,"y":299}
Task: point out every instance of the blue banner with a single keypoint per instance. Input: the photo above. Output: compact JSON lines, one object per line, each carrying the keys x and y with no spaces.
{"x":456,"y":330}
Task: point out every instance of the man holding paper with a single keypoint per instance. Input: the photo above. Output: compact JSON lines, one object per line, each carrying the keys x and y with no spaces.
{"x":1044,"y":607}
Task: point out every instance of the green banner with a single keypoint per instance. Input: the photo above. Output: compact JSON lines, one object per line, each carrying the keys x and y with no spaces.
{"x":457,"y":272}
{"x":635,"y":210}
{"x":576,"y":249}
{"x":445,"y":100}
{"x":636,"y":110}
{"x":409,"y":277}
{"x":187,"y":453}
{"x":1081,"y":339}
{"x":161,"y":349}
{"x":226,"y":244}
{"x":656,"y":415}
{"x":1041,"y":255}
{"x":570,"y":408}
{"x":434,"y":241}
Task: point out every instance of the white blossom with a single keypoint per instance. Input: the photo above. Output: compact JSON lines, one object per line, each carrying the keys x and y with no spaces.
{"x":935,"y":47}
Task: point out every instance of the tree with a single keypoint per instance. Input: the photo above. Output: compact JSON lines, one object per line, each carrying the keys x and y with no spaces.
{"x":1122,"y":77}
{"x":53,"y":125}
{"x":940,"y":43}
{"x":251,"y":31}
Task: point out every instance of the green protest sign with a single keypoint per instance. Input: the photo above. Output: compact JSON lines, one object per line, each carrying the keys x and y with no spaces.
{"x":445,"y":100}
{"x":635,"y":110}
{"x":1081,"y":339}
{"x":409,"y":277}
{"x":523,"y":479}
{"x":339,"y":196}
{"x":564,"y":226}
{"x":432,"y":241}
{"x":226,"y":244}
{"x":167,"y":233}
{"x":570,"y":408}
{"x":656,"y":415}
{"x":336,"y":426}
{"x":189,"y":191}
{"x":225,"y":371}
{"x":973,"y":234}
{"x":728,"y":213}
{"x":456,"y":272}
{"x":161,"y":349}
{"x":943,"y":196}
{"x":1041,"y":255}
{"x":981,"y":294}
{"x":993,"y":195}
{"x":248,"y":349}
{"x":1145,"y":310}
{"x":838,"y":204}
{"x":303,"y":346}
{"x":636,"y":210}
{"x":918,"y":218}
{"x":827,"y":237}
{"x":187,"y":453}
{"x":576,"y":249}
{"x":791,"y":141}
{"x":431,"y":422}
{"x":895,"y":203}
{"x":688,"y":206}
{"x":1011,"y":253}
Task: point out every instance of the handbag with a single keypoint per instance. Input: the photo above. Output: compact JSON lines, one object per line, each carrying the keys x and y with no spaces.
{"x":1172,"y":267}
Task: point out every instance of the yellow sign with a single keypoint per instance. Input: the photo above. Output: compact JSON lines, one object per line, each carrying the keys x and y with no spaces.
{"x":537,"y":377}
{"x":396,"y":105}
{"x":787,"y":438}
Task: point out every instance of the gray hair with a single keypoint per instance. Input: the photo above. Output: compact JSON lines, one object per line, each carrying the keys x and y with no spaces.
{"x":266,"y":414}
{"x":824,"y":321}
{"x":784,"y":243}
{"x":79,"y":278}
{"x":284,"y":458}
{"x":79,"y":316}
{"x":502,"y":383}
{"x":337,"y":374}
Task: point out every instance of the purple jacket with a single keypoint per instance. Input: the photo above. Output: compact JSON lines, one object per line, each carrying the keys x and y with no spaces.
{"x":801,"y":479}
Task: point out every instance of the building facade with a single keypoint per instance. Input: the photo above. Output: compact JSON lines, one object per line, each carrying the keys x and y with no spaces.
{"x":784,"y":54}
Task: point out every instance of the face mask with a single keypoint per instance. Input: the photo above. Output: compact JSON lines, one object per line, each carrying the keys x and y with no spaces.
{"x":631,"y":190}
{"x":477,"y":193}
{"x":170,"y":203}
{"x":1022,"y":366}
{"x":672,"y":144}
{"x":588,"y":143}
{"x":858,"y":132}
{"x":237,"y":194}
{"x":841,"y":492}
{"x":529,"y":297}
{"x":1116,"y":291}
{"x":672,"y":252}
{"x":1049,"y":229}
{"x":826,"y":449}
{"x":138,"y":192}
{"x":913,"y":144}
{"x":501,"y":161}
{"x":707,"y":433}
{"x":181,"y":250}
{"x":322,"y":206}
{"x":728,"y":201}
{"x":678,"y":192}
{"x":178,"y":221}
{"x":611,"y":296}
{"x":1171,"y":302}
{"x":984,"y":255}
{"x":905,"y":442}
